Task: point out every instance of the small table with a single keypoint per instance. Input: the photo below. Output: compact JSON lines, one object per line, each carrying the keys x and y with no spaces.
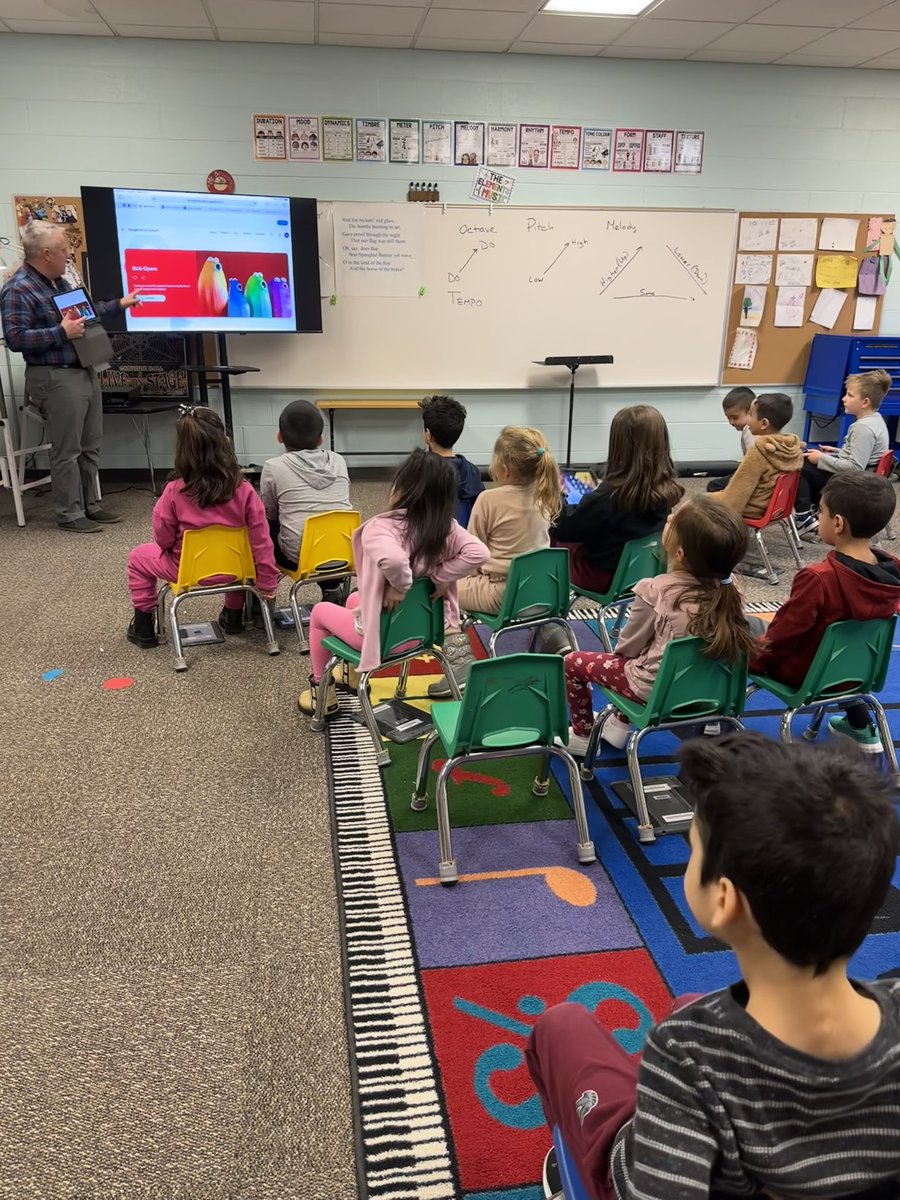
{"x":332,"y":406}
{"x":144,"y":409}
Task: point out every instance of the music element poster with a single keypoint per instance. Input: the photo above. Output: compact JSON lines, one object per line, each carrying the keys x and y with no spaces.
{"x":492,"y":187}
{"x":437,"y":142}
{"x":659,"y":150}
{"x":404,"y":141}
{"x":565,"y":147}
{"x":502,"y":145}
{"x":304,"y":139}
{"x":371,"y":139}
{"x":596,"y":149}
{"x":629,"y":150}
{"x":469,"y":143}
{"x":534,"y":145}
{"x":688,"y":152}
{"x":268,"y":136}
{"x":337,"y":139}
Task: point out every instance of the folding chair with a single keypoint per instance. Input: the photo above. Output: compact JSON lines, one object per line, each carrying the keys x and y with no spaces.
{"x":689,"y":688}
{"x":640,"y":559}
{"x":513,"y":706}
{"x":12,"y":468}
{"x":326,"y":556}
{"x":537,"y":593}
{"x":780,"y":512}
{"x":213,"y":552}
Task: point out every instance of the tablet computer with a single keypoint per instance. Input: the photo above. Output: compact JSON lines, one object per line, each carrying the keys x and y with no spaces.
{"x":74,"y":304}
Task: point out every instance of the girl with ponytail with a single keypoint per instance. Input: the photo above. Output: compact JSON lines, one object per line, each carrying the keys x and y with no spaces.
{"x":697,"y":597}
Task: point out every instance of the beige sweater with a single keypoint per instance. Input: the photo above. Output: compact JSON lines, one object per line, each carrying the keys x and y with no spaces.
{"x":506,"y":520}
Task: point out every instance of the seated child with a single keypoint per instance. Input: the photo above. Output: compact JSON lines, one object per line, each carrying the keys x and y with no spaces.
{"x":736,"y":406}
{"x":866,"y":441}
{"x":304,"y":480}
{"x":853,"y":582}
{"x":704,"y":541}
{"x":444,"y":419}
{"x":787,"y":1083}
{"x":417,"y":537}
{"x":209,"y":490}
{"x":773,"y":453}
{"x":638,"y":491}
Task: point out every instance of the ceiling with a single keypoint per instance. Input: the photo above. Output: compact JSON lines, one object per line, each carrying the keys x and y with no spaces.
{"x":813,"y":33}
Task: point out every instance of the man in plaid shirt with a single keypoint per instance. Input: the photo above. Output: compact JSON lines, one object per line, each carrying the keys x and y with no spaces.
{"x":65,"y":393}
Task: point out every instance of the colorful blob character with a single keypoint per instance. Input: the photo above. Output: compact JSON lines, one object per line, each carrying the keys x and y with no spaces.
{"x":212,"y":289}
{"x":275,"y":296}
{"x":287,"y":308}
{"x":257,"y":293}
{"x":238,"y":305}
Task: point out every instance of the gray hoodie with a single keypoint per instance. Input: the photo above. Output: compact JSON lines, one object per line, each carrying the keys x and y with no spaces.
{"x":298,"y":484}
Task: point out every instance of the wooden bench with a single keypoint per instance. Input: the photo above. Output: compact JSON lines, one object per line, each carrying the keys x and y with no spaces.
{"x":332,"y":406}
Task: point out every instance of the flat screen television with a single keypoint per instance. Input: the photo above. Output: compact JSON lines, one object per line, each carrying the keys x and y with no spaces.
{"x":205,"y":263}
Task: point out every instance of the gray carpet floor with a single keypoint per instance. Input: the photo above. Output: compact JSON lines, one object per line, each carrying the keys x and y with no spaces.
{"x":171,"y":1006}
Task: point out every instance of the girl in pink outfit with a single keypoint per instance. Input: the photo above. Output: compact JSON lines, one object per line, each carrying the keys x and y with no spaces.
{"x":419,"y":536}
{"x":209,"y":490}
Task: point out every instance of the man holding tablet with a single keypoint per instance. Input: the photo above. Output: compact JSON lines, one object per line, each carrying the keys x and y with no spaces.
{"x":65,"y":392}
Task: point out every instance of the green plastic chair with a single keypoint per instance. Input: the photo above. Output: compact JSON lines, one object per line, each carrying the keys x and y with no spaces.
{"x":640,"y":559}
{"x":689,"y":688}
{"x":537,"y":593}
{"x":851,"y":664}
{"x":513,"y":706}
{"x":415,"y":627}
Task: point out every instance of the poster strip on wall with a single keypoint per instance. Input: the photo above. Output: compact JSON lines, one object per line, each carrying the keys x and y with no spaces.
{"x":304,"y":139}
{"x":437,"y":142}
{"x":371,"y":139}
{"x":628,"y":154}
{"x":502,"y":145}
{"x":337,"y":139}
{"x":596,"y":149}
{"x":689,"y":151}
{"x":659,"y":150}
{"x":268,"y":136}
{"x":565,"y":147}
{"x":404,"y":140}
{"x":534,"y":146}
{"x":468,"y":137}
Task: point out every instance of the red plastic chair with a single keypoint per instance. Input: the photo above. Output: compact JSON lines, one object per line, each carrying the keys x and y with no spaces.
{"x":780,"y":512}
{"x":884,"y":469}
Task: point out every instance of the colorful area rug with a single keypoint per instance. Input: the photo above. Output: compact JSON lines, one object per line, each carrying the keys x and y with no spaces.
{"x":444,"y":984}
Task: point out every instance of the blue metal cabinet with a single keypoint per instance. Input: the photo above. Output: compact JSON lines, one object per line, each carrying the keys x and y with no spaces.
{"x":835,"y":356}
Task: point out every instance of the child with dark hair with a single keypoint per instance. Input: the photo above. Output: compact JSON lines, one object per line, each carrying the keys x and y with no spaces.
{"x":304,"y":480}
{"x":209,"y":489}
{"x":863,"y":446}
{"x":444,"y":419}
{"x":418,"y":536}
{"x":853,"y":583}
{"x":788,"y":1082}
{"x":696,"y":597}
{"x":736,"y":407}
{"x":773,"y":453}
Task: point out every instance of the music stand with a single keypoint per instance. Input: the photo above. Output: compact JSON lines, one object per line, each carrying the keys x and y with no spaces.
{"x":572,"y":362}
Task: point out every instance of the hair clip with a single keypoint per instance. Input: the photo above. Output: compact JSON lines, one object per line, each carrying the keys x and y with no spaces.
{"x":540,"y":452}
{"x":726,"y":581}
{"x":187,"y":410}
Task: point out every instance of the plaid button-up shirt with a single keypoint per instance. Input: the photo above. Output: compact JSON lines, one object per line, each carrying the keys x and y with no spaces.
{"x":31,"y":325}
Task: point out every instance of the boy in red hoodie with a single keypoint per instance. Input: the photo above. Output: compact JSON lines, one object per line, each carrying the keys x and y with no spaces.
{"x":853,"y":583}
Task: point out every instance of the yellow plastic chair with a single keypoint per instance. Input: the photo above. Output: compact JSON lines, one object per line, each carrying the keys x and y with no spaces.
{"x":217,"y":550}
{"x":326,"y":556}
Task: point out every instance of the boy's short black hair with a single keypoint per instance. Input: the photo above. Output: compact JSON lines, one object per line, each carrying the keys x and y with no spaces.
{"x":739,"y":397}
{"x":300,"y":425}
{"x":865,"y":500}
{"x":776,"y":408}
{"x":808,"y":834}
{"x":444,"y":418}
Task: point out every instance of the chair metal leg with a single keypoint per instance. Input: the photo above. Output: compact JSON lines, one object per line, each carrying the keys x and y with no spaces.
{"x":795,"y":532}
{"x":419,"y":801}
{"x":764,"y":555}
{"x":786,"y":718}
{"x":645,"y":825}
{"x":317,"y":724}
{"x":811,"y":732}
{"x":884,"y":732}
{"x":180,"y":660}
{"x":295,"y":612}
{"x":541,"y":785}
{"x":161,"y":596}
{"x":268,"y":623}
{"x":586,"y":852}
{"x":444,"y":663}
{"x":447,"y":866}
{"x":790,"y":541}
{"x":492,"y":643}
{"x":402,"y":682}
{"x":587,"y":766}
{"x":602,"y":632}
{"x":382,"y":755}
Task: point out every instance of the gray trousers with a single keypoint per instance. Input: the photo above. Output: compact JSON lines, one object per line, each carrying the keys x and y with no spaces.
{"x":69,"y":400}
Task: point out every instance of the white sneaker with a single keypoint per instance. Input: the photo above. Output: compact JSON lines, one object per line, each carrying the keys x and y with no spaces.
{"x":578,"y":743}
{"x":616,"y":732}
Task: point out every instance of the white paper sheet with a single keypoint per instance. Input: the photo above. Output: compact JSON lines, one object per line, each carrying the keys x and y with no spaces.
{"x":752,"y":306}
{"x":794,"y":270}
{"x":828,"y":308}
{"x":864,"y":317}
{"x":758,"y":233}
{"x":379,"y":249}
{"x":798,"y":233}
{"x":839,"y":233}
{"x":743,"y":350}
{"x":789,"y":305}
{"x":753,"y":268}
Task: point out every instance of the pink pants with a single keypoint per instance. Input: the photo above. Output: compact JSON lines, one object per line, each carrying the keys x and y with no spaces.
{"x":147,"y":564}
{"x":327,"y":620}
{"x":582,"y":670}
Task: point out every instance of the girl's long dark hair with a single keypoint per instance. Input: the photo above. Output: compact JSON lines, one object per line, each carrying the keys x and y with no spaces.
{"x":713,"y":540}
{"x":425,"y":487}
{"x":204,"y":458}
{"x":639,"y":467}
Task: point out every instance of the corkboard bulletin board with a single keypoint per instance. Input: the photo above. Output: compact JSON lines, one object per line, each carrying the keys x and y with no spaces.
{"x":782,"y":354}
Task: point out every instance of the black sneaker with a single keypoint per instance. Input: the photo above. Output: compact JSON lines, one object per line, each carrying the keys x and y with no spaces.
{"x":552,"y":1180}
{"x":142,"y":630}
{"x":231,"y":620}
{"x":807,"y":524}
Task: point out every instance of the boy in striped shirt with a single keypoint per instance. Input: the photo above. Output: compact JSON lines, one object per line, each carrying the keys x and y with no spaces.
{"x":788,"y":1083}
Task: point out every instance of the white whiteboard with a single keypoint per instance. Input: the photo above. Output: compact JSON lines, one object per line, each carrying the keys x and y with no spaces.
{"x":649,"y":286}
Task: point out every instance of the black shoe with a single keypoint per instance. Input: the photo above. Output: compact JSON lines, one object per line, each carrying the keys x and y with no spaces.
{"x":552,"y":1180}
{"x":80,"y":525}
{"x":104,"y":516}
{"x":142,"y":629}
{"x":335,"y":594}
{"x":231,"y":620}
